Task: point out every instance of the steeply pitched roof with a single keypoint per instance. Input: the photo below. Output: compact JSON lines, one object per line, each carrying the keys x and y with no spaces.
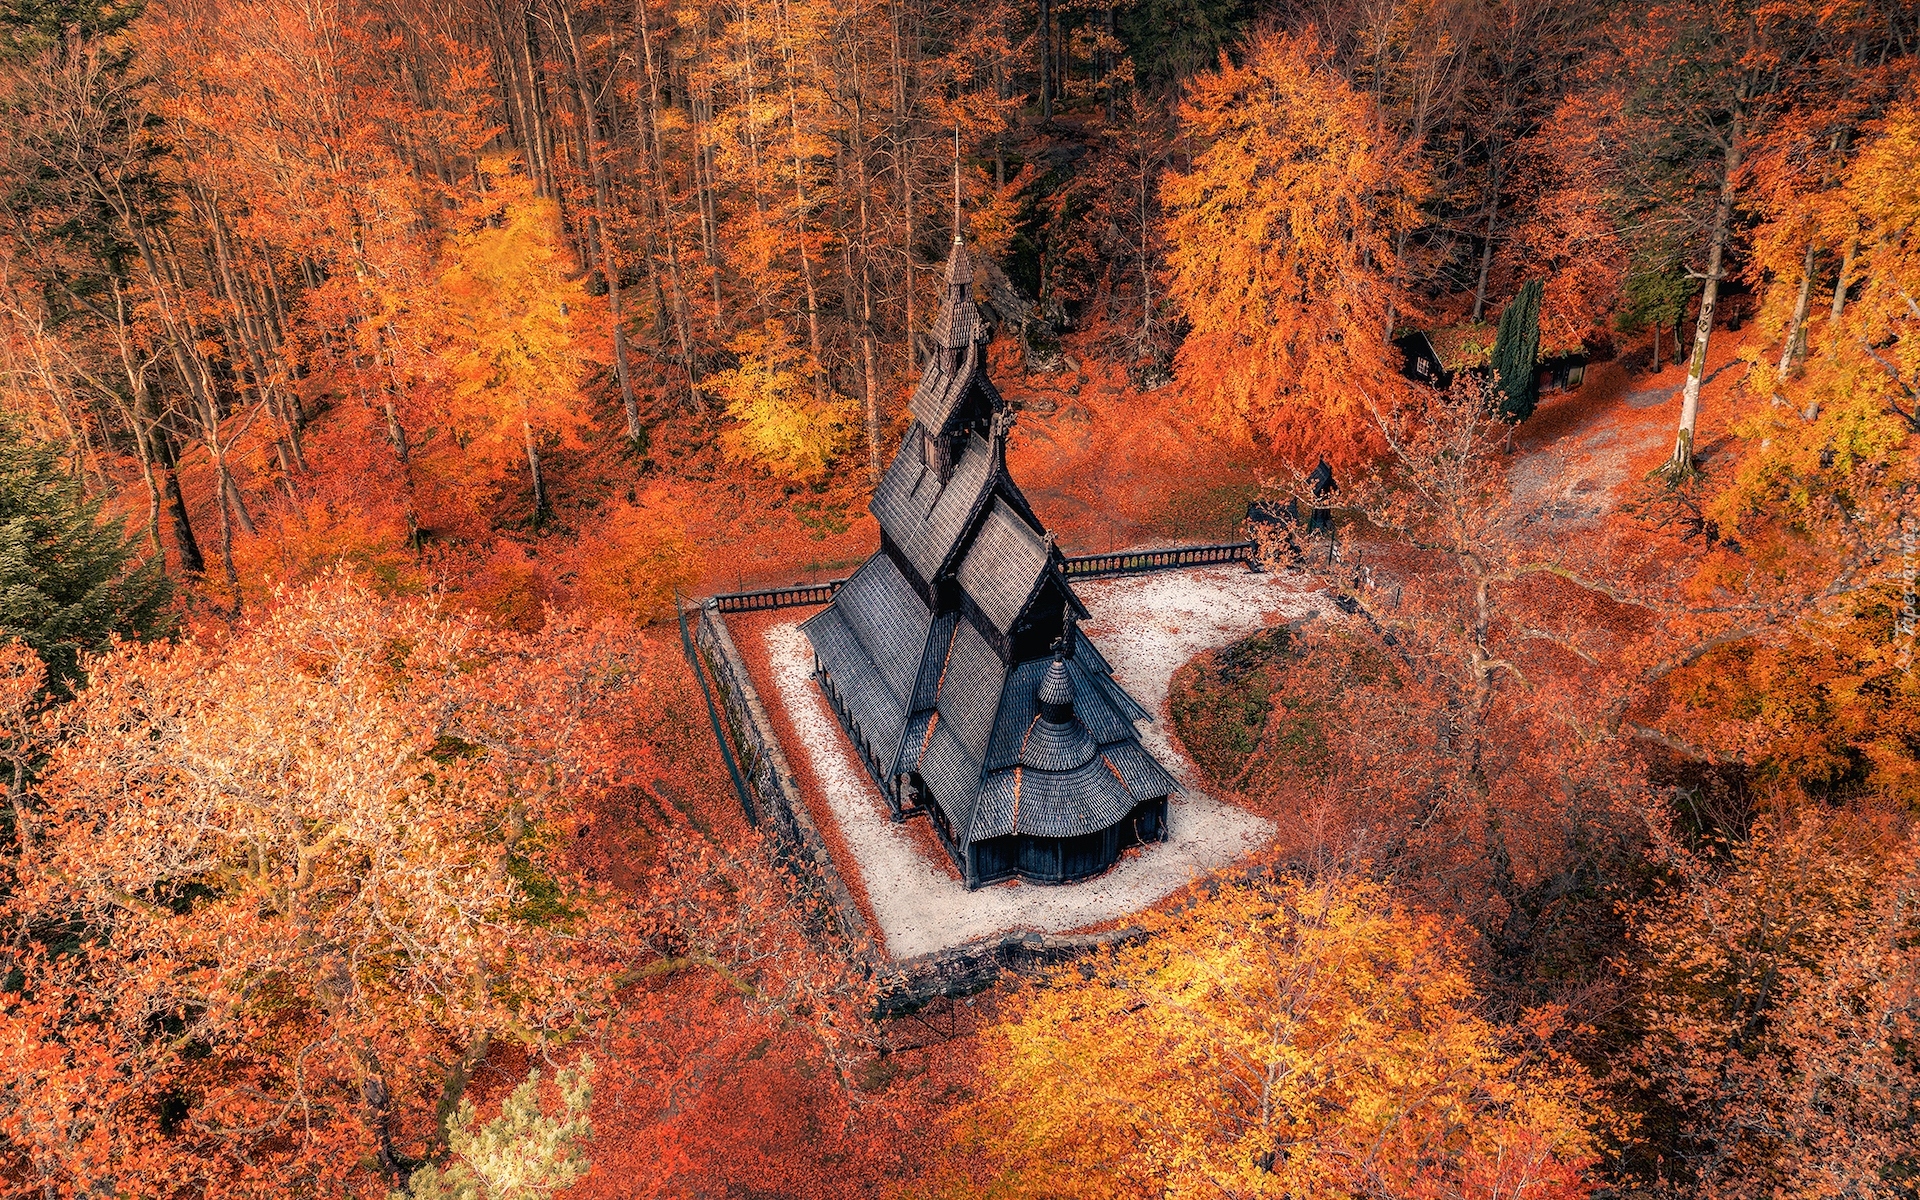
{"x":924,"y":518}
{"x":1045,"y":747}
{"x":957,"y":364}
{"x":1003,"y":566}
{"x":959,"y":264}
{"x":944,"y":387}
{"x":958,"y":324}
{"x":871,"y":640}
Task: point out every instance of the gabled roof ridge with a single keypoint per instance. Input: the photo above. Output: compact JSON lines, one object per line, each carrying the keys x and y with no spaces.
{"x":970,"y":528}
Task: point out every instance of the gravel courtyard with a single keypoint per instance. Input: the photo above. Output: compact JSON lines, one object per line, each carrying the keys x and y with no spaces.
{"x":1146,"y":626}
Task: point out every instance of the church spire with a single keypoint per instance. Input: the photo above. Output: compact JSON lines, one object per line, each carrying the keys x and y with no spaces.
{"x":958,"y":324}
{"x":956,"y":183}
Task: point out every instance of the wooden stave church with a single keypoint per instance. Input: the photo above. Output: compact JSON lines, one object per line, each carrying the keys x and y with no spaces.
{"x":953,"y":657}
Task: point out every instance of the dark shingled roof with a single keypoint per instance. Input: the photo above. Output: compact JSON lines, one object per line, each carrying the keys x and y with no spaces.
{"x":970,"y":697}
{"x":958,"y":324}
{"x":923,"y":518}
{"x":872,"y":646}
{"x":953,"y":776}
{"x":934,"y":663}
{"x":861,"y":689}
{"x":1004,"y":566}
{"x":1062,"y":746}
{"x":890,"y":620}
{"x":1056,"y":686}
{"x":944,"y":387}
{"x":1098,"y":749}
{"x":1045,"y":747}
{"x":1143,"y":775}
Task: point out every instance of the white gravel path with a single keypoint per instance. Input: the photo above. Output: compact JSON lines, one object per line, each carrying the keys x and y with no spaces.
{"x":1146,"y":627}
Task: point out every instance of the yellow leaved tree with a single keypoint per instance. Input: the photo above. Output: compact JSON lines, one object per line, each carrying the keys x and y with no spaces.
{"x":782,"y":423}
{"x":1282,"y":1037}
{"x":1855,"y":399}
{"x":516,"y":333}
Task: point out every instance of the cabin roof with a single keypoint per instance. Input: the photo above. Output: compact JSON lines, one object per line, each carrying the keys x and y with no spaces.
{"x":1462,"y":347}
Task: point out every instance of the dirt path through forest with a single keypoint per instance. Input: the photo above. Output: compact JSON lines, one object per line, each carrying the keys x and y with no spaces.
{"x":1578,"y":457}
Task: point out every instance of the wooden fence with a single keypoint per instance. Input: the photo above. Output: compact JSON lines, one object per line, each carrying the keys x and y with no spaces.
{"x":789,"y":597}
{"x":1085,"y":566}
{"x":1130,"y":562}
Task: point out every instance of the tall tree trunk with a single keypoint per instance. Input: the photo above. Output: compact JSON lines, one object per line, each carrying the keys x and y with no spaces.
{"x":182,"y":339}
{"x":869,"y":359}
{"x":135,"y":409}
{"x":800,"y":210}
{"x":657,"y":164}
{"x":192,"y":562}
{"x":226,"y":533}
{"x":1840,"y":284}
{"x":903,"y":164}
{"x":1796,"y":339}
{"x":1486,"y":246}
{"x":708,"y":195}
{"x":1002,"y":90}
{"x":540,"y":143}
{"x":533,"y":469}
{"x":231,"y":491}
{"x":1681,"y":465}
{"x":1106,"y":62}
{"x":1046,"y":61}
{"x":600,"y":228}
{"x":1146,"y":230}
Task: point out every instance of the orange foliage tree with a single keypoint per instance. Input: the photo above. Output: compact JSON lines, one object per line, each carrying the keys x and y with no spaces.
{"x":1278,"y":1037}
{"x":276,"y":897}
{"x":1778,"y":987}
{"x":514,"y":349}
{"x":782,"y":422}
{"x":1280,"y":249}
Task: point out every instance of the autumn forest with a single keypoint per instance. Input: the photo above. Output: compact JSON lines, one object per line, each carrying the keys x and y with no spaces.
{"x":380,"y":381}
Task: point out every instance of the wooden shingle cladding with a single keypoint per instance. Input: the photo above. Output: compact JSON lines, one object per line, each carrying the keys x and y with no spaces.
{"x":1005,"y":566}
{"x":922,"y":519}
{"x":935,"y":653}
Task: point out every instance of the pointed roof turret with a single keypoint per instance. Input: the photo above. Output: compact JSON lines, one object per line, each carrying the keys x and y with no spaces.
{"x":1056,"y":691}
{"x":959,"y":265}
{"x":958,"y":325}
{"x":1057,"y":741}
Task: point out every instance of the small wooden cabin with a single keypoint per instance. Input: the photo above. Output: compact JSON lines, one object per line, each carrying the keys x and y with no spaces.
{"x":1436,"y":358}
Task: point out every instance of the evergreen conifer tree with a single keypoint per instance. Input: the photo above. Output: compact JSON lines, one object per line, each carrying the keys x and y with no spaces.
{"x":1516,"y":351}
{"x":69,"y":582}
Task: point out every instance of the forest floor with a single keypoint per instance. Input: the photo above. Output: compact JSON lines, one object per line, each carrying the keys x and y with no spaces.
{"x":1582,"y":452}
{"x":1104,"y":465}
{"x":1145,"y":626}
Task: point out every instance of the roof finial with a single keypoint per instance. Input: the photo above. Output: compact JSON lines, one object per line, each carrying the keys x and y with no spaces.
{"x":956,"y":183}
